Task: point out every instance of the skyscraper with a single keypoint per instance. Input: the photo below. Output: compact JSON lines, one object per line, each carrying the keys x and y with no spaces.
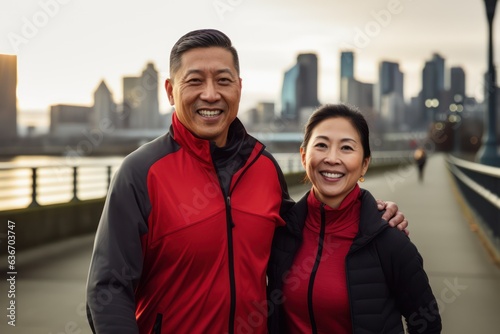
{"x":440,"y":71}
{"x":389,"y":97}
{"x":457,"y":83}
{"x":8,"y":96}
{"x":346,"y":71}
{"x":357,"y":93}
{"x":140,"y":99}
{"x":104,"y":107}
{"x":309,"y":79}
{"x":352,"y":91}
{"x":433,"y":88}
{"x":300,"y":87}
{"x":289,"y":94}
{"x":347,"y":64}
{"x":430,"y":88}
{"x":390,"y":78}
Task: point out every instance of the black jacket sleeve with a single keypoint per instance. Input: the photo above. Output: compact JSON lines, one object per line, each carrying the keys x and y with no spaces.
{"x":116,"y":263}
{"x":404,"y":270}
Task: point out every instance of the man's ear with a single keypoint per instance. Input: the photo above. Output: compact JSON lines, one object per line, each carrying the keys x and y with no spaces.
{"x":170,"y":91}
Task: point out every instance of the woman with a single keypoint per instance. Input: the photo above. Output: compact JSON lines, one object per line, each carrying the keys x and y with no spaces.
{"x":338,"y":265}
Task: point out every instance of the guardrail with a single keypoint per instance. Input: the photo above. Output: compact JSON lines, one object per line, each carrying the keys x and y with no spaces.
{"x":23,"y":187}
{"x":479,"y":187}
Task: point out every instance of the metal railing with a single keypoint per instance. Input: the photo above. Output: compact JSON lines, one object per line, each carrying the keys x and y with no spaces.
{"x":22,"y":187}
{"x":479,"y":186}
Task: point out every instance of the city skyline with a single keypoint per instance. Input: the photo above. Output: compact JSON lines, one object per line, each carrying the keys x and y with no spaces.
{"x":74,"y":45}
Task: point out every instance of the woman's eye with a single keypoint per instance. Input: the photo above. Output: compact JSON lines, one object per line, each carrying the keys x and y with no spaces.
{"x":321,"y":145}
{"x":349,"y":148}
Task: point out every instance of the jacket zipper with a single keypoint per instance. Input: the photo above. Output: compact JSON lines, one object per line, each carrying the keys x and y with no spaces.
{"x":315,"y":269}
{"x":230,"y":225}
{"x":230,"y":255}
{"x":157,"y":325}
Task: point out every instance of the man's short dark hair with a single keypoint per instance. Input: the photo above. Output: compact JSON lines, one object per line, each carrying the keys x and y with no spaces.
{"x":203,"y":38}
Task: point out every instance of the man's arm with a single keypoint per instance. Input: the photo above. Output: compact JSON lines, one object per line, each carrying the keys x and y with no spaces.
{"x":116,"y":263}
{"x":395,"y":217}
{"x":286,"y":201}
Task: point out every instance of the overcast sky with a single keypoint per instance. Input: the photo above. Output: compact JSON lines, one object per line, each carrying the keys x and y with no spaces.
{"x":66,"y":47}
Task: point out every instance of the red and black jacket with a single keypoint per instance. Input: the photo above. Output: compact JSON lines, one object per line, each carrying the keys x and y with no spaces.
{"x":185,"y":237}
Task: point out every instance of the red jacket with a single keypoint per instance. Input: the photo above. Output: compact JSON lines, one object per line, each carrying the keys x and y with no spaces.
{"x":185,"y":237}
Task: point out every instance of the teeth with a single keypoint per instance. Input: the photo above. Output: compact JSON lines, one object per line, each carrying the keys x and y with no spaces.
{"x":332,"y":175}
{"x":209,"y":113}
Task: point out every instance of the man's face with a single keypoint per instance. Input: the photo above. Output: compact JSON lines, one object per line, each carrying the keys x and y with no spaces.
{"x":206,"y":92}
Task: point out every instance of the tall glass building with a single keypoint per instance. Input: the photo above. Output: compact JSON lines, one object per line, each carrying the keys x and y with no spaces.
{"x":300,"y":87}
{"x":8,"y":96}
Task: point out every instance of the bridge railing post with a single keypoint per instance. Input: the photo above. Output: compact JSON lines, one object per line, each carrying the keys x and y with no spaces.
{"x":75,"y":184}
{"x":108,"y":176}
{"x":34,"y":188}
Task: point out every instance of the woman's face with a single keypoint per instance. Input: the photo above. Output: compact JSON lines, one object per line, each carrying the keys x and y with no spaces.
{"x":333,"y":160}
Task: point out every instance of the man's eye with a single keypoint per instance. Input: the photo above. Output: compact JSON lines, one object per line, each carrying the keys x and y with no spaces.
{"x":225,"y":81}
{"x":194,"y":80}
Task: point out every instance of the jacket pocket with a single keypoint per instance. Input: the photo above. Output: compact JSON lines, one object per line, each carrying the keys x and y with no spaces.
{"x":157,"y":325}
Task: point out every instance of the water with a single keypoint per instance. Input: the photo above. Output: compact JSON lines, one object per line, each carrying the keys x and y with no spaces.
{"x":54,"y":179}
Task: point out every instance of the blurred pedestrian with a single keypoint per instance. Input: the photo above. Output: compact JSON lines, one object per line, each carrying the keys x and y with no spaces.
{"x":420,"y":158}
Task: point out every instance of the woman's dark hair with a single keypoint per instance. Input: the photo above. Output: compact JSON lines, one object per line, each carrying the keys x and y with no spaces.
{"x":344,"y":111}
{"x":203,"y":38}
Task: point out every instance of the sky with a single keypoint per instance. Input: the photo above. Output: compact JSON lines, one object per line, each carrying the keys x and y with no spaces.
{"x":66,"y":47}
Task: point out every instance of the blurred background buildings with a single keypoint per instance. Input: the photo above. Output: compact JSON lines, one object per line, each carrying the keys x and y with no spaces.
{"x":441,"y":106}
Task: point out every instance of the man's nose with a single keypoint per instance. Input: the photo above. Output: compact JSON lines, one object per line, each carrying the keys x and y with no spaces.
{"x":210,"y":92}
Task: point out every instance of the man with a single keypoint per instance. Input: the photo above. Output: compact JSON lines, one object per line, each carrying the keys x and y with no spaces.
{"x":186,"y":231}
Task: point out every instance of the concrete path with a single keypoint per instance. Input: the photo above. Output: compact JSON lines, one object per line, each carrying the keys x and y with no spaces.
{"x":50,"y":281}
{"x":463,"y":276}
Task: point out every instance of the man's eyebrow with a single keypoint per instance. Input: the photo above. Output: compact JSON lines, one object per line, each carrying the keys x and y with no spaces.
{"x":197,"y":71}
{"x":225,"y":70}
{"x":189,"y":72}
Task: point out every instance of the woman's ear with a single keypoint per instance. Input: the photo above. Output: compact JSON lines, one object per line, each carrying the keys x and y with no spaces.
{"x":366,"y":163}
{"x":303,"y":156}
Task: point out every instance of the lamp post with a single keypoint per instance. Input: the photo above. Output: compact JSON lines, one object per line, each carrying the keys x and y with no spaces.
{"x":488,"y":154}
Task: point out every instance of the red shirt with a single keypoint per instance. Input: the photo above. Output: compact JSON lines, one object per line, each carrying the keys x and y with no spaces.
{"x":330,"y":300}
